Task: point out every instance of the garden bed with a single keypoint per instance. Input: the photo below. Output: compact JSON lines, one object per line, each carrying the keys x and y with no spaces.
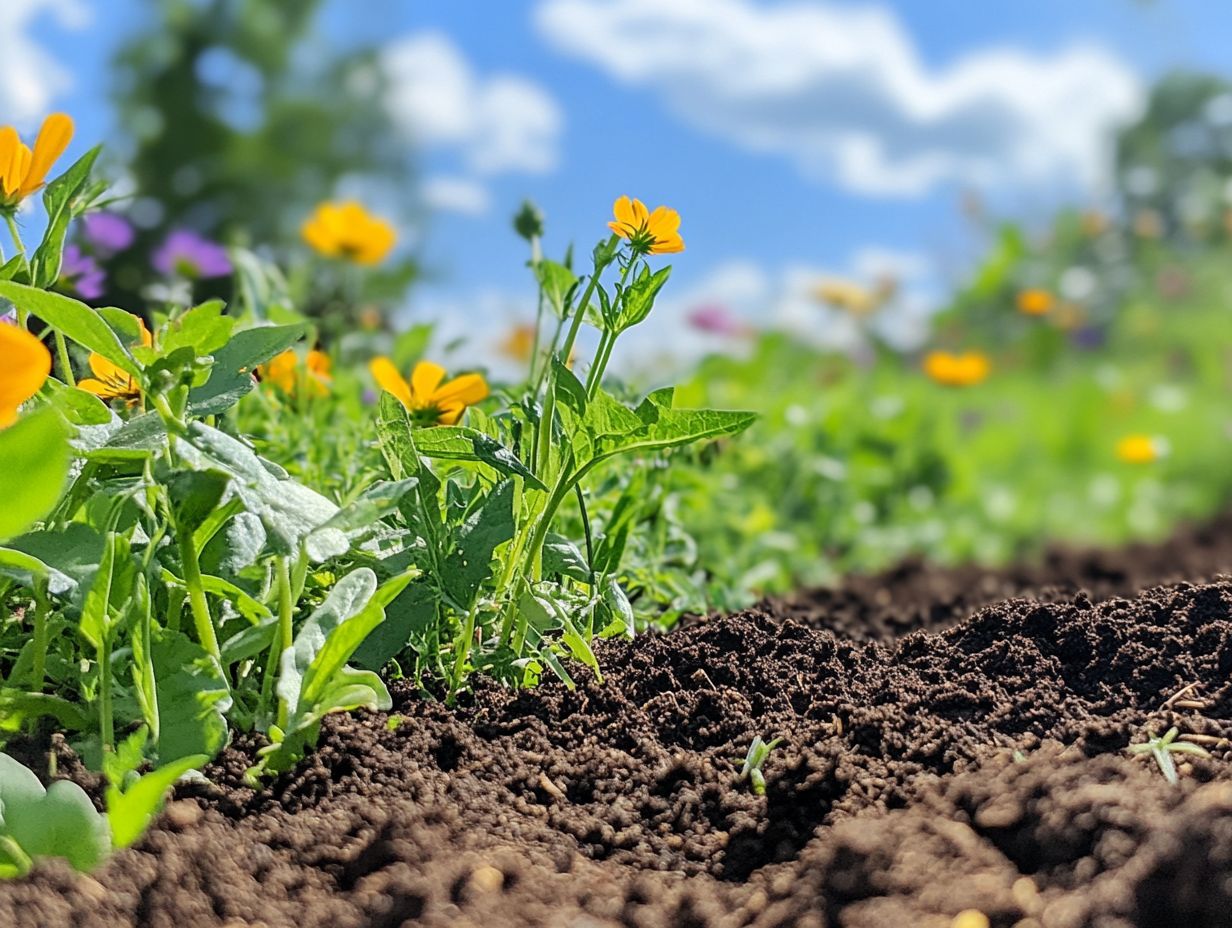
{"x":979,"y":764}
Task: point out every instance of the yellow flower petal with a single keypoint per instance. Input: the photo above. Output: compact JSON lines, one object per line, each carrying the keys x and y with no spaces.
{"x":468,"y":390}
{"x":26,"y":364}
{"x":10,"y":160}
{"x":387,"y":376}
{"x":425,"y":378}
{"x":663,"y":222}
{"x":53,"y":139}
{"x":97,"y":387}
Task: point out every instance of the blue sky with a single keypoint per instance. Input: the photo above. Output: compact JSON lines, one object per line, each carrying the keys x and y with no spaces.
{"x":797,"y":138}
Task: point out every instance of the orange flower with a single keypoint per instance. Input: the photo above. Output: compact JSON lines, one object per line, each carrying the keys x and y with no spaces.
{"x":428,"y":399}
{"x":23,"y":171}
{"x":284,"y":373}
{"x":957,"y":370}
{"x":654,"y":233}
{"x":111,"y":382}
{"x":1035,"y":302}
{"x":1139,"y":449}
{"x":25,"y":364}
{"x":519,"y":342}
{"x":347,"y":230}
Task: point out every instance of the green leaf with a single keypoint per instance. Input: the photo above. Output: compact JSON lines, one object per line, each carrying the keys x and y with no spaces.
{"x":34,"y":456}
{"x":97,"y":621}
{"x":58,"y":202}
{"x":203,"y":328}
{"x":56,"y":822}
{"x":639,"y":297}
{"x":459,"y":443}
{"x":130,"y":811}
{"x":231,"y":376}
{"x":408,"y":621}
{"x":468,"y":564}
{"x":561,"y":556}
{"x":557,"y":282}
{"x":194,"y":495}
{"x":192,"y":697}
{"x":289,"y":511}
{"x":74,"y":319}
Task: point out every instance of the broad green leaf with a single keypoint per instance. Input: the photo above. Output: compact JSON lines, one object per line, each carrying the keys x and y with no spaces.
{"x":130,"y":811}
{"x":194,"y":495}
{"x":34,"y":456}
{"x":459,"y":443}
{"x":56,"y":822}
{"x":561,"y":556}
{"x":58,"y":203}
{"x":556,"y":281}
{"x":288,"y":510}
{"x":72,"y":318}
{"x":469,"y":562}
{"x":96,"y":615}
{"x":192,"y":697}
{"x":203,"y":328}
{"x":639,"y":296}
{"x":408,"y":621}
{"x":231,"y":376}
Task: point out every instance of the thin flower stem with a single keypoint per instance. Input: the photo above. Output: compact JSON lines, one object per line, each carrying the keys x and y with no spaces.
{"x":41,"y":637}
{"x":14,"y":233}
{"x":66,"y":366}
{"x":197,"y":602}
{"x":106,"y":724}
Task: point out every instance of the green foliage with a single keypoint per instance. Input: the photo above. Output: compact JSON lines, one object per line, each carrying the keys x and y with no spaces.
{"x":754,"y":760}
{"x":35,"y":452}
{"x":37,"y":823}
{"x":1162,"y":747}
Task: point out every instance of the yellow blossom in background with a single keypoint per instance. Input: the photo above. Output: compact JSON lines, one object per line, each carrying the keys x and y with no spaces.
{"x":970,"y":918}
{"x":519,"y":342}
{"x":347,"y":230}
{"x":1139,"y":449}
{"x":427,"y":396}
{"x":654,"y":233}
{"x":284,"y":372}
{"x":22,"y":171}
{"x":111,"y":382}
{"x":1148,"y":224}
{"x":1035,"y":302}
{"x":848,"y":296}
{"x":957,"y":370}
{"x":25,"y":364}
{"x":1094,"y":223}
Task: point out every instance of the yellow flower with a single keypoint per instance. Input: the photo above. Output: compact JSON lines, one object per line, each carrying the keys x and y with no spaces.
{"x":1035,"y":302}
{"x":848,"y":296}
{"x":111,"y":382}
{"x":1139,"y":449}
{"x":654,"y":233}
{"x":347,"y":230}
{"x":25,"y":364}
{"x":283,"y":372}
{"x":957,"y":370}
{"x":519,"y":342}
{"x":23,"y":171}
{"x":429,"y":400}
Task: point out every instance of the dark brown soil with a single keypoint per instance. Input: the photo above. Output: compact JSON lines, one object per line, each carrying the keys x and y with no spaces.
{"x":981,"y":766}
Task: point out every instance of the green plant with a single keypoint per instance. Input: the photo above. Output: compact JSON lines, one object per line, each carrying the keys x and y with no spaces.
{"x":754,"y":760}
{"x":38,"y":823}
{"x":1162,"y":747}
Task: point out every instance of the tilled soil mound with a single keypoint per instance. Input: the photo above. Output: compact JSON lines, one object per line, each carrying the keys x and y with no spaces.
{"x":982,"y":766}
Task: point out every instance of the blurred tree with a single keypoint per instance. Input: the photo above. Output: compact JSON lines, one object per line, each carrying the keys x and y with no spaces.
{"x":241,"y":119}
{"x":1174,"y":165}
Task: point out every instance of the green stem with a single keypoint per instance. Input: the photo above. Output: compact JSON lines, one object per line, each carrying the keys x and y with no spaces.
{"x":105,"y":723}
{"x":463,"y":648}
{"x":282,"y":641}
{"x":14,"y":233}
{"x":66,"y":366}
{"x":196,"y":595}
{"x":41,"y":638}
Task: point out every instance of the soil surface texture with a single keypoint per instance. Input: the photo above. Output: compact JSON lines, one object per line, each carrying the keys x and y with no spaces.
{"x":952,"y":741}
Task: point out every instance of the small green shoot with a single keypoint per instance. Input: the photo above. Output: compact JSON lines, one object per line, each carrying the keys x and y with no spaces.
{"x":1161,"y":748}
{"x":754,"y":760}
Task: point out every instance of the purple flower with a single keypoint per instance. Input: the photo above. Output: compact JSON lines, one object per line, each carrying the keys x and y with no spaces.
{"x":80,"y":273}
{"x":716,"y":320}
{"x":9,"y":318}
{"x":107,"y":232}
{"x":184,"y":253}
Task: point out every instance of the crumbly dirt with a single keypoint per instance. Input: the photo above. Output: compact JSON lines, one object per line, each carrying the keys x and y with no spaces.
{"x":977,"y":762}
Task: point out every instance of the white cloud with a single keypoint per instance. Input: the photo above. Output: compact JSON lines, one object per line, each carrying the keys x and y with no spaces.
{"x":32,"y":77}
{"x":493,"y":124}
{"x":782,"y":299}
{"x":843,"y":92}
{"x":455,"y":195}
